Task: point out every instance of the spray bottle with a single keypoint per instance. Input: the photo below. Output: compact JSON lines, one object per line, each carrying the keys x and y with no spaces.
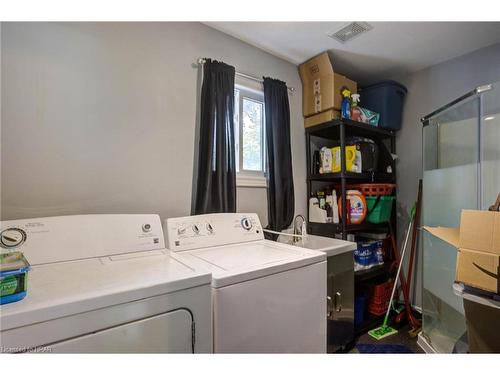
{"x":355,"y":111}
{"x":335,"y":208}
{"x":346,"y":104}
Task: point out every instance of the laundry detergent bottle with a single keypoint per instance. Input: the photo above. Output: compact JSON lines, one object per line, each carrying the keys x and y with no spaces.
{"x":356,"y":207}
{"x":346,"y":104}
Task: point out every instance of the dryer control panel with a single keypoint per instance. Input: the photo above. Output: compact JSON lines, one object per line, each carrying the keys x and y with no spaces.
{"x":63,"y":238}
{"x":199,"y":231}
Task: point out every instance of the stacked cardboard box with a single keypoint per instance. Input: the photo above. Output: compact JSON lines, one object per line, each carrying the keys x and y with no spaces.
{"x":478,"y":244}
{"x":322,"y":87}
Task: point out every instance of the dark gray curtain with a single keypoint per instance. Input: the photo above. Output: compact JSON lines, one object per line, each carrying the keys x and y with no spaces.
{"x":216,"y":183}
{"x":280,"y":193}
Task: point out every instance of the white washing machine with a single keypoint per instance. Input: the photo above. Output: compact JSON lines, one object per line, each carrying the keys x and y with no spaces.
{"x":268,"y":297}
{"x":104,"y":284}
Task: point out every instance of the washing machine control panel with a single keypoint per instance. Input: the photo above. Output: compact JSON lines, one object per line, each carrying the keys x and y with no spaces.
{"x":246,"y":223}
{"x":194,"y":232}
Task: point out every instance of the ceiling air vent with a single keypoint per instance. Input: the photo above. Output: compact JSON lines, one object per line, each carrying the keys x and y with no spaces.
{"x":351,"y":31}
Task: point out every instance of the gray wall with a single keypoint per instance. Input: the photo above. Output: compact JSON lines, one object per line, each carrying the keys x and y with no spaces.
{"x":428,"y":90}
{"x":101,"y":117}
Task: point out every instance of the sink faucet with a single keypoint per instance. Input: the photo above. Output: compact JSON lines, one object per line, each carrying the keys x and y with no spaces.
{"x":297,"y":230}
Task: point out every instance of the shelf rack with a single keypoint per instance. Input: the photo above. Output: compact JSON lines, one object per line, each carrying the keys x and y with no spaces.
{"x":338,"y":130}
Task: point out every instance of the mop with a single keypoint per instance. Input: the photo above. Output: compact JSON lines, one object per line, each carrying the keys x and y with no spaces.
{"x":385,"y":330}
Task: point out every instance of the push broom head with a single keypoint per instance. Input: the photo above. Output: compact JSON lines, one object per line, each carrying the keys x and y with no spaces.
{"x":382,"y":332}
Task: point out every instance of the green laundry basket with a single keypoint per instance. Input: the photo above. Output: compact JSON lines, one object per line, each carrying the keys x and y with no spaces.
{"x":379,"y":212}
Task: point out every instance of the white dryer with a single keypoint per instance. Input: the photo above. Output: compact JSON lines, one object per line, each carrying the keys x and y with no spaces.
{"x":268,"y":297}
{"x":104,"y":284}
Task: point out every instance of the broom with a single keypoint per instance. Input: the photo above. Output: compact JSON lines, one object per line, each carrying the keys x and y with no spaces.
{"x":385,"y":330}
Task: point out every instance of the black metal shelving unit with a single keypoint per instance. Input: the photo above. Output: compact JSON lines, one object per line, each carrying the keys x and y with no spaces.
{"x":337,"y":131}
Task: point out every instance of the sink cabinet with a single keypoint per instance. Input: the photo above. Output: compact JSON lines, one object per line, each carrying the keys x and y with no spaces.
{"x":340,"y":294}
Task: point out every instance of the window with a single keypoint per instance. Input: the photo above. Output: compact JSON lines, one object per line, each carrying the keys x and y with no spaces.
{"x":249,"y":120}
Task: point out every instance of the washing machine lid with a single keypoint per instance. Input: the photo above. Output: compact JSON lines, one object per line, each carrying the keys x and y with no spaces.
{"x":61,"y":289}
{"x":236,"y":263}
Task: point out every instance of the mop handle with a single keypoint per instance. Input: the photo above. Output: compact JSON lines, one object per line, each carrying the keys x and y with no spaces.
{"x":399,"y":270}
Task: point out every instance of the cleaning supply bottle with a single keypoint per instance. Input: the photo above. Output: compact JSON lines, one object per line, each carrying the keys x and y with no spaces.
{"x":346,"y":104}
{"x":335,"y":208}
{"x":316,"y":214}
{"x":328,"y":206}
{"x":355,"y":111}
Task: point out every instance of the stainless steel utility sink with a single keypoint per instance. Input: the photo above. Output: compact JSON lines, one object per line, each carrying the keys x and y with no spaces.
{"x":331,"y":246}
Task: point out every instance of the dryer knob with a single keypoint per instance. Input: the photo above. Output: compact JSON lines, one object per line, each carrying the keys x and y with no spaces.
{"x":12,"y":237}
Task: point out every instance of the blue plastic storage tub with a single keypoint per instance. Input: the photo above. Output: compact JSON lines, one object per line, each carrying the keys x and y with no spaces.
{"x":386,"y":98}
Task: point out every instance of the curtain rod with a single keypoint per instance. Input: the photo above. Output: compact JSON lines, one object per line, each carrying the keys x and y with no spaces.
{"x":201,"y":61}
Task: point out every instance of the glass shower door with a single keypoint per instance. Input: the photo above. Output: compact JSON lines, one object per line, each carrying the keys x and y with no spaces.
{"x":461,"y":158}
{"x":450,"y":184}
{"x":490,"y":146}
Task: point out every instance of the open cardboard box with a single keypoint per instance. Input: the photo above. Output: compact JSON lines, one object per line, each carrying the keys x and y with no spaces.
{"x":322,"y":86}
{"x":478,"y":243}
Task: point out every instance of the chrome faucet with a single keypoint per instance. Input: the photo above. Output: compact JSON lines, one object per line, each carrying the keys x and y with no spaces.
{"x":297,"y":230}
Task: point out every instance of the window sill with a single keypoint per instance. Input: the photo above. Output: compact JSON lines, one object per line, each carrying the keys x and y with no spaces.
{"x":251,"y":181}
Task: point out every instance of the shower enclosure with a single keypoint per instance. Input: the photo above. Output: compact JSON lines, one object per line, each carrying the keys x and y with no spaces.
{"x":461,"y":162}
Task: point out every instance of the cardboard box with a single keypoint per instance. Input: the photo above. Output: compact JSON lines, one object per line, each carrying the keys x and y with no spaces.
{"x":480,"y":230}
{"x":329,"y":115}
{"x":322,"y":86}
{"x":478,"y":269}
{"x":478,"y":244}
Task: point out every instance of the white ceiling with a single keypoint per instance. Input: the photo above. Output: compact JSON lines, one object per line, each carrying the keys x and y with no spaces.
{"x":388,"y":50}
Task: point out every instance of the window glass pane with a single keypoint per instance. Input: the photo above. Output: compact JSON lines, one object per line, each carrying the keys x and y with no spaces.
{"x":252,"y":135}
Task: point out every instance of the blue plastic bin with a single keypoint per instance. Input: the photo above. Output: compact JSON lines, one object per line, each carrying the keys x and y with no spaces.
{"x":386,"y":98}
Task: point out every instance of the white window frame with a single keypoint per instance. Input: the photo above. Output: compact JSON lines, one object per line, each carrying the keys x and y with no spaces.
{"x":249,"y":178}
